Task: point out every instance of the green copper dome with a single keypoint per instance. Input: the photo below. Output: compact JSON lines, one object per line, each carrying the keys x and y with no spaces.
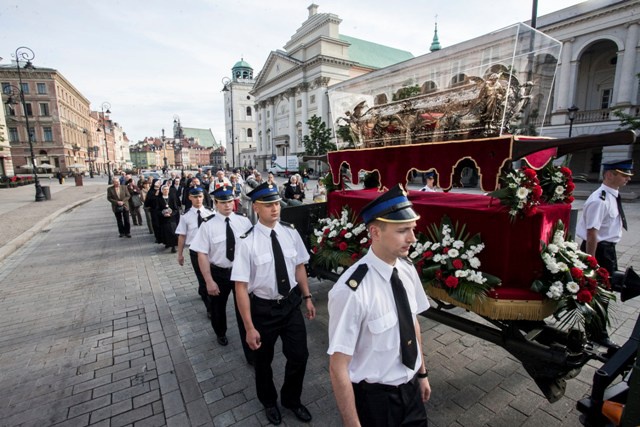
{"x":242,"y":70}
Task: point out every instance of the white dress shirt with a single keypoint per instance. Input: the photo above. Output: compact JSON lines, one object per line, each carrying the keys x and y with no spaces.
{"x":254,"y":261}
{"x":211,"y":238}
{"x":602,"y":215}
{"x":363,"y":323}
{"x":188,"y":225}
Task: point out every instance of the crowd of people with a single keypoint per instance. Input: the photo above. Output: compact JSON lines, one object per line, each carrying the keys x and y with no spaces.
{"x":262,"y":263}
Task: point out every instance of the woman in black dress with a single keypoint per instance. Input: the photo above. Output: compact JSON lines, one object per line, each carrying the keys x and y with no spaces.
{"x":169,"y":208}
{"x":151,"y":203}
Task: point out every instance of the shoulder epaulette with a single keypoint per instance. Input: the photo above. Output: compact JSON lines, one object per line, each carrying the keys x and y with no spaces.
{"x":241,"y":214}
{"x":603,"y":195}
{"x":287,"y":224}
{"x":244,"y":236}
{"x":354,"y":281}
{"x":188,"y":209}
{"x":208,"y":218}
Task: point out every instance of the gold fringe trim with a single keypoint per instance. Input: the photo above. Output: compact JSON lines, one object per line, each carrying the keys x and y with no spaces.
{"x":500,"y":309}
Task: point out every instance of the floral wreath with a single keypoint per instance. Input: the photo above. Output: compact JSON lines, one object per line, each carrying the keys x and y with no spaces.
{"x":557,"y":184}
{"x":521,"y":192}
{"x":446,"y":258}
{"x":338,"y":242}
{"x":576,"y":281}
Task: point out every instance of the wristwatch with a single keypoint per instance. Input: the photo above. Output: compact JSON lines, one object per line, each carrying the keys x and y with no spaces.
{"x":425,"y":375}
{"x":307,"y":296}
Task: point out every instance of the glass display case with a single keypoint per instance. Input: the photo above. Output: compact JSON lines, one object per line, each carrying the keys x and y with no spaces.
{"x":496,"y":84}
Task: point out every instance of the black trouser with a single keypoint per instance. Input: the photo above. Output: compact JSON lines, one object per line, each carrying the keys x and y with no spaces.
{"x":380,"y":405}
{"x":123,"y":222}
{"x":281,"y":319}
{"x":202,"y":286}
{"x":218,"y":306}
{"x":605,"y":255}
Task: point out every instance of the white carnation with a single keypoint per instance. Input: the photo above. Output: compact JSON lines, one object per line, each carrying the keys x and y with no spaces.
{"x":522,"y":193}
{"x":458,"y":244}
{"x":453,"y":253}
{"x":474,"y":262}
{"x":573,"y":287}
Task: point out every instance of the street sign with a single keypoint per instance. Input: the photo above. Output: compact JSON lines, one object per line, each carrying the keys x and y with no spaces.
{"x":273,"y":157}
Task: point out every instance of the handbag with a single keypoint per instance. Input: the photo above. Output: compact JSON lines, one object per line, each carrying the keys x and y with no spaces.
{"x":136,"y":201}
{"x":119,"y":209}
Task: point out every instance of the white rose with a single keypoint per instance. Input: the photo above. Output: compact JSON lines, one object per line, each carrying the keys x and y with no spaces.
{"x":458,"y":244}
{"x":474,"y":262}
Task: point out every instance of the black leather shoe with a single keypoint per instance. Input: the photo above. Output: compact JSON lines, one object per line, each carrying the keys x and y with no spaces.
{"x":223,"y":340}
{"x":605,"y":341}
{"x":301,"y":412}
{"x":273,"y":415}
{"x":122,"y":235}
{"x":128,"y":235}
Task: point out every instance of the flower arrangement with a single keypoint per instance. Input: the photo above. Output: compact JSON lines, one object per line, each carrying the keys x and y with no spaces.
{"x":338,"y":242}
{"x":521,"y":192}
{"x":446,"y":258}
{"x":557,"y":184}
{"x":574,"y":279}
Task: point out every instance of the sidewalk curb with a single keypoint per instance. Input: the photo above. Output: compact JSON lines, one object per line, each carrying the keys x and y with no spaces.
{"x":19,"y":241}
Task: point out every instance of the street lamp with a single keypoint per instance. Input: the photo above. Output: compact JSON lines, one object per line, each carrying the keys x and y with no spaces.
{"x":165,"y":168}
{"x":572,"y":116}
{"x":89,"y":150}
{"x":27,"y":55}
{"x":106,"y":108}
{"x":226,"y":81}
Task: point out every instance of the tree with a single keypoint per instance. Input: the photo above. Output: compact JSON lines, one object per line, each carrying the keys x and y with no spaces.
{"x":319,"y":141}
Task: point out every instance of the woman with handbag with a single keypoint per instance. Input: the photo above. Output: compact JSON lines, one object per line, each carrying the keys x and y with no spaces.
{"x":134,"y":202}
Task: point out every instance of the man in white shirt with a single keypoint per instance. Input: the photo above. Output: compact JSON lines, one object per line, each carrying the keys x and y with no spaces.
{"x":376,"y":365}
{"x":186,"y":230}
{"x":215,"y":244}
{"x":271,"y":284}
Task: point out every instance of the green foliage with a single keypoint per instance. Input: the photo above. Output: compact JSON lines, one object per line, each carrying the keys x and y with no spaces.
{"x":406,"y":92}
{"x":345,"y":133}
{"x":627,"y":121}
{"x":318,"y":141}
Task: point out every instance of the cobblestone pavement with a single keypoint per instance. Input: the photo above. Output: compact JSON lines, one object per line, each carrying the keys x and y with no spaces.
{"x":99,"y":330}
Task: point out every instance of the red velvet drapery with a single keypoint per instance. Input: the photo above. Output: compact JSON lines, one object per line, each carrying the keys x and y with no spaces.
{"x":512,"y":250}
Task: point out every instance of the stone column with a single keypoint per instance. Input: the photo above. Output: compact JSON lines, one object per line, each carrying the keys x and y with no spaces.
{"x":565,"y":84}
{"x":304,"y":113}
{"x":626,"y":89}
{"x":291,"y":94}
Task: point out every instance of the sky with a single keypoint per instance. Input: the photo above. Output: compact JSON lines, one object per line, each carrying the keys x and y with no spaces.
{"x":155,"y":60}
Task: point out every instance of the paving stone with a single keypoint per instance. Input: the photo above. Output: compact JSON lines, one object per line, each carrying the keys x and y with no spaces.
{"x":172,"y":403}
{"x":133,"y":416}
{"x":110,"y":411}
{"x":89,"y":406}
{"x":198,"y":412}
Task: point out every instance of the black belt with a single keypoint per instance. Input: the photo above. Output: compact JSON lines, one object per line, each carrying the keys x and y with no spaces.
{"x":294,"y":292}
{"x":365,"y":386}
{"x":603,"y":243}
{"x":220,"y":270}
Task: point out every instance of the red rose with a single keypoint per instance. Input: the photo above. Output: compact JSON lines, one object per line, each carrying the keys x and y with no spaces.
{"x":529,"y":173}
{"x":569,"y":199}
{"x":576,"y":273}
{"x":570,"y":186}
{"x":439,"y":274}
{"x":457,"y":264}
{"x":342,"y":246}
{"x":530,"y":211}
{"x":565,"y":171}
{"x":326,"y":231}
{"x":445,"y":250}
{"x":593,"y":285}
{"x":355,"y":256}
{"x":428,"y":254}
{"x":343,"y":232}
{"x":593,"y":263}
{"x":602,"y":272}
{"x":314,"y":250}
{"x":584,"y":296}
{"x":537,"y":192}
{"x":451,"y":282}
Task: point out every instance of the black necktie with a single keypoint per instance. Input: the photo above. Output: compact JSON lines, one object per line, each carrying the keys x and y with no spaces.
{"x":408,"y":345}
{"x":621,"y":212}
{"x":231,"y":240}
{"x":200,"y":221}
{"x":281,"y":267}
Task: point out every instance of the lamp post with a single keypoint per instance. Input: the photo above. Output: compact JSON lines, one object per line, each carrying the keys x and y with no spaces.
{"x":89,"y":150}
{"x":27,"y":55}
{"x":226,"y":81}
{"x":106,"y":108}
{"x":572,"y":116}
{"x":165,"y":168}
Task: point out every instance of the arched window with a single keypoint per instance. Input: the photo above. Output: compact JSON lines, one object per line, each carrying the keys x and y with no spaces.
{"x":249,"y":112}
{"x":249,"y":131}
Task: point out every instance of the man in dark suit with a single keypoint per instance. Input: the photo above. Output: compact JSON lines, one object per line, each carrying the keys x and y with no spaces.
{"x":119,"y":196}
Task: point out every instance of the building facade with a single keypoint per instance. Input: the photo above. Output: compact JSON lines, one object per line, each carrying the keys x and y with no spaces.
{"x":292,"y":85}
{"x":239,"y":115}
{"x":58,"y":116}
{"x":598,"y":74}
